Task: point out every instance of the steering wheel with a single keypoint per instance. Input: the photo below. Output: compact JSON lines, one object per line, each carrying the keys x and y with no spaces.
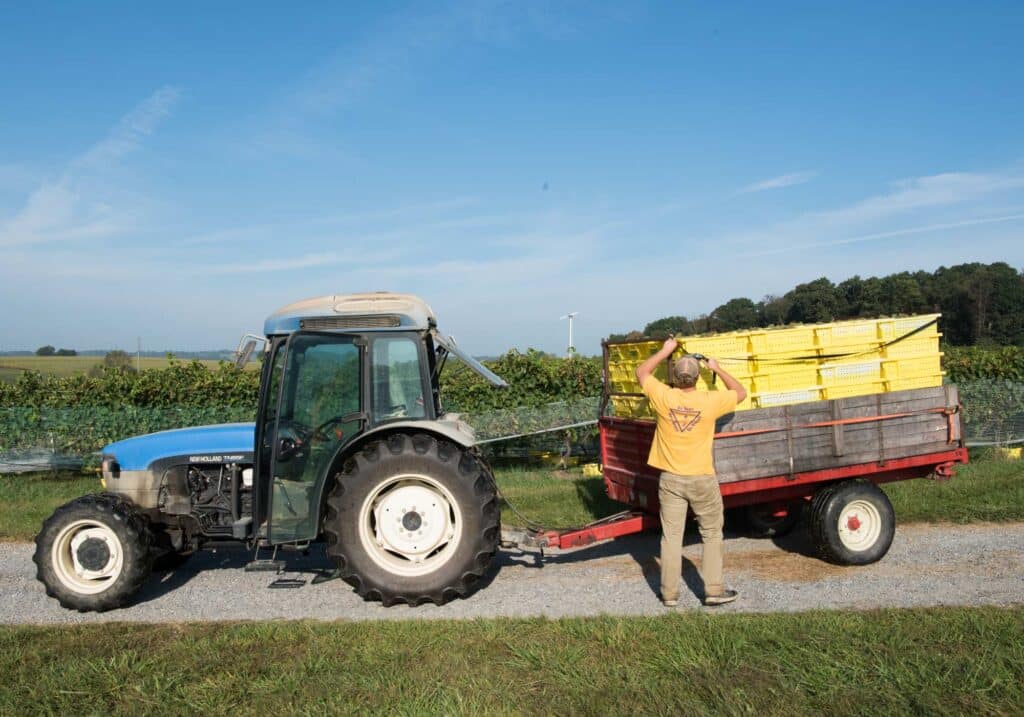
{"x":318,"y":432}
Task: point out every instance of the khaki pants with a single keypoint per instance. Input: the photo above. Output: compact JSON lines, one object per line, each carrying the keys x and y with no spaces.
{"x":702,"y":494}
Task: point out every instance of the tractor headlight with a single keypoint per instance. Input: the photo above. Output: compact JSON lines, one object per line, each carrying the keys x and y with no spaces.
{"x":110,"y":467}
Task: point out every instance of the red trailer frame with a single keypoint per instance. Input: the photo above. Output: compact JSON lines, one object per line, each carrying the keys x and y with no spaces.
{"x":624,"y":446}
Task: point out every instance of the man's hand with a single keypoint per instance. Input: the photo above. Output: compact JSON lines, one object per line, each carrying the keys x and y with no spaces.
{"x":670,"y":345}
{"x":730,"y":383}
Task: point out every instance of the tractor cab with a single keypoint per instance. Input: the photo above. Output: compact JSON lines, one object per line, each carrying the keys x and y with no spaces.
{"x":337,"y":371}
{"x":351,"y":445}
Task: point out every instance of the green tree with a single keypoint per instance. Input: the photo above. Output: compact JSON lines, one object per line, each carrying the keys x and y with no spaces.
{"x":772,"y":310}
{"x":735,"y":314}
{"x":813,"y":302}
{"x":118,"y":360}
{"x":46,"y":351}
{"x":66,"y":352}
{"x":669,"y":325}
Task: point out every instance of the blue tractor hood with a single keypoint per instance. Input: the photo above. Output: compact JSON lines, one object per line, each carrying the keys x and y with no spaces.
{"x":226,"y":439}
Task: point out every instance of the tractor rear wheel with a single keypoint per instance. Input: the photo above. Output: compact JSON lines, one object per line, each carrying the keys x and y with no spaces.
{"x":93,"y":554}
{"x":413,"y":519}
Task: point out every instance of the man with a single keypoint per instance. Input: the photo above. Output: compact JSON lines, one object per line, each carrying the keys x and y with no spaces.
{"x":682,"y":451}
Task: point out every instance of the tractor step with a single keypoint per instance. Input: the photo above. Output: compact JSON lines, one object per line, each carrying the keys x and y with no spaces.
{"x":265,"y":566}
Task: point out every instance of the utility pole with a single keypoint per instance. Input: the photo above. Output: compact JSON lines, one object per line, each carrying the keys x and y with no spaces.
{"x":571,"y":316}
{"x":138,"y":354}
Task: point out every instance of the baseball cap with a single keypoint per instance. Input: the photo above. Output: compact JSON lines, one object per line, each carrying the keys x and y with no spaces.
{"x":685,"y":370}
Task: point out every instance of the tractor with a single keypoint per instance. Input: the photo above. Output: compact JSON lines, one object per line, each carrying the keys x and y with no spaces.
{"x":351,"y":447}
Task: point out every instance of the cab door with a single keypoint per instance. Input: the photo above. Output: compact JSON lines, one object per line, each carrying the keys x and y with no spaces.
{"x":320,"y":409}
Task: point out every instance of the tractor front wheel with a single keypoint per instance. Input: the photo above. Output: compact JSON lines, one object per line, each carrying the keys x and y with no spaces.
{"x":93,"y":554}
{"x":413,"y":519}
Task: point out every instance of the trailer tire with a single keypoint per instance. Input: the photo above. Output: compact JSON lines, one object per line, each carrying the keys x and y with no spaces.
{"x":413,"y":519}
{"x":760,"y":522}
{"x":93,"y":554}
{"x":852,"y":522}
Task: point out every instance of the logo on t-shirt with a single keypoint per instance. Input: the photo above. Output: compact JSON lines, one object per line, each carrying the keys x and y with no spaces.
{"x":684,"y":419}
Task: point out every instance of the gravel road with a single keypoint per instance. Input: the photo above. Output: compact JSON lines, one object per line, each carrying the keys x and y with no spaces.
{"x":927,"y":565}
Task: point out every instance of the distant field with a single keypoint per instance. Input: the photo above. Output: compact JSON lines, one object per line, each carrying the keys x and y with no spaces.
{"x":12,"y":366}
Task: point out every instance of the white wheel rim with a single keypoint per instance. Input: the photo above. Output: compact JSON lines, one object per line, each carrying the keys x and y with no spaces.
{"x":67,"y":552}
{"x":860,"y":524}
{"x":410,"y":525}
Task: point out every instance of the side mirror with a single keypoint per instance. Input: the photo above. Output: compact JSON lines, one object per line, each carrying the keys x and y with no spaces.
{"x":245,"y":354}
{"x":245,"y":349}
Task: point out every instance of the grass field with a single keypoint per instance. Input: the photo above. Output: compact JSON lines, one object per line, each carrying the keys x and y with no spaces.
{"x":935,"y":662}
{"x":989,"y":489}
{"x":13,"y":366}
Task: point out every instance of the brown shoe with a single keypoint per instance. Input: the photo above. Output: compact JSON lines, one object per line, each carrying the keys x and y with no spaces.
{"x":720,"y":599}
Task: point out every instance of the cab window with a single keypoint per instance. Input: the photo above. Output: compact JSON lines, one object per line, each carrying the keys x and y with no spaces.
{"x":397,"y":379}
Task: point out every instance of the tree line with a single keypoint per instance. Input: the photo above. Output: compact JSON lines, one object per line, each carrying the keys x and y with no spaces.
{"x":981,"y":304}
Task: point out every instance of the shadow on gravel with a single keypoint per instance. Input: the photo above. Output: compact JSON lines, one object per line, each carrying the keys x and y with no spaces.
{"x":232,"y":558}
{"x":644,"y":549}
{"x":300,"y":570}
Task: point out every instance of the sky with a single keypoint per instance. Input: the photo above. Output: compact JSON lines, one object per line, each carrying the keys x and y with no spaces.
{"x":176,"y":173}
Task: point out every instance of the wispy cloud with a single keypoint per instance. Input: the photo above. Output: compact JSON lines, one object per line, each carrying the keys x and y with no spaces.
{"x":129,"y":132}
{"x":892,"y":234}
{"x":70,"y":207}
{"x":783,"y":180}
{"x":918,"y":202}
{"x":300,"y":262}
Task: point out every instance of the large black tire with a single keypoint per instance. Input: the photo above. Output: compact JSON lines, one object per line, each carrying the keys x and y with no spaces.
{"x":852,"y":523}
{"x":389,"y":473}
{"x":760,"y":521}
{"x":113,"y":546}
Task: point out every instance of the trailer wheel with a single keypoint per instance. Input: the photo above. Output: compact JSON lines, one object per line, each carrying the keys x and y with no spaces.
{"x":771,"y":520}
{"x":852,"y":523}
{"x":413,"y":519}
{"x":93,"y":554}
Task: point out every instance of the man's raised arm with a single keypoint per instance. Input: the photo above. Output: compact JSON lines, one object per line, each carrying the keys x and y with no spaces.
{"x":730,"y":383}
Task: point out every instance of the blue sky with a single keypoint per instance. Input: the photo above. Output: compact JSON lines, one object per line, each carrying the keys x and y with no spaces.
{"x":177,"y":173}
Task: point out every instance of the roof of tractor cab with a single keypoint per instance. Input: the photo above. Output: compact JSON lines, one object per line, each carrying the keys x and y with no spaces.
{"x":381,"y":311}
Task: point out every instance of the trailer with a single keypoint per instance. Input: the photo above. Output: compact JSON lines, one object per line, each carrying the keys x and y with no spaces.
{"x":825,"y":458}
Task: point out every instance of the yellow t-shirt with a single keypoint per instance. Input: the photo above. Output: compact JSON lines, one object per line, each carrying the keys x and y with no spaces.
{"x":686,"y":427}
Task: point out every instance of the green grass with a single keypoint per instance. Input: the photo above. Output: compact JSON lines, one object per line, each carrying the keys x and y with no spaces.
{"x":25,"y":501}
{"x":989,"y":489}
{"x":940,"y":661}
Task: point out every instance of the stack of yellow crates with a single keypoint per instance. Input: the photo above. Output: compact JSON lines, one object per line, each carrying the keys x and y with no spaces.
{"x":797,"y":363}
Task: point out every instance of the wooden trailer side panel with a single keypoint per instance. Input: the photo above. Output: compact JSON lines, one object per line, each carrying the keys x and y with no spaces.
{"x":880,"y":434}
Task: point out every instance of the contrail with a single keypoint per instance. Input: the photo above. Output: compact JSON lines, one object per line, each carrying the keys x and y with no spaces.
{"x":897,"y":233}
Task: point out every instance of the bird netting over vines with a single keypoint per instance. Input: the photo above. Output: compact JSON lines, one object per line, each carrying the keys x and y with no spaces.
{"x":43,"y":438}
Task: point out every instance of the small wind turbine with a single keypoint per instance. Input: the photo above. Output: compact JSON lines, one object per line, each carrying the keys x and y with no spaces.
{"x":571,"y":316}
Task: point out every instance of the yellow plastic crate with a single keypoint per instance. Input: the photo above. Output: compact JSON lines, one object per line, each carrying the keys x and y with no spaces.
{"x":905,"y":384}
{"x":784,"y":361}
{"x":909,"y":368}
{"x":782,"y":340}
{"x":851,"y":372}
{"x":740,"y":369}
{"x":784,"y":398}
{"x":626,"y":353}
{"x":854,"y":389}
{"x":631,"y":407}
{"x":889,"y":329}
{"x":914,"y":347}
{"x":732,"y":346}
{"x":796,"y":378}
{"x":848,"y":335}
